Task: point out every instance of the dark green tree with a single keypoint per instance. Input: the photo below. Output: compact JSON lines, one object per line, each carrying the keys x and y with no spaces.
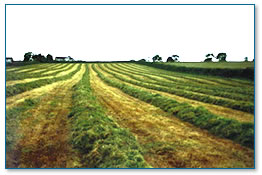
{"x":157,"y":58}
{"x":246,"y":59}
{"x":27,"y":56}
{"x":175,"y":58}
{"x":221,"y":57}
{"x":49,"y":58}
{"x":170,"y":59}
{"x":208,"y":60}
{"x":142,"y":60}
{"x":209,"y":57}
{"x":39,"y":58}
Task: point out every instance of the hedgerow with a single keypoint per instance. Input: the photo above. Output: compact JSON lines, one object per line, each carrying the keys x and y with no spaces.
{"x":19,"y":88}
{"x":101,"y":142}
{"x":192,"y":80}
{"x":247,"y":73}
{"x":238,"y":105}
{"x":239,"y":132}
{"x":183,"y":86}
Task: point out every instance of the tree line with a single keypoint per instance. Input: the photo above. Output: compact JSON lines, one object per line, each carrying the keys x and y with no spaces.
{"x":29,"y":56}
{"x":221,"y":57}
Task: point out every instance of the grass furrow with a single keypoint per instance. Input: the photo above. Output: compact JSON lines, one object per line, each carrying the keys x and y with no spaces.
{"x":242,"y":106}
{"x":11,"y":76}
{"x":19,"y":88}
{"x":102,"y":143}
{"x":58,"y":73}
{"x":13,"y":118}
{"x":26,"y":67}
{"x":242,"y":133}
{"x":182,"y":86}
{"x":189,"y":79}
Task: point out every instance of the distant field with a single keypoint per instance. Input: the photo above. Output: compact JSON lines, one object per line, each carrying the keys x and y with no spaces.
{"x":127,"y":115}
{"x":232,"y":65}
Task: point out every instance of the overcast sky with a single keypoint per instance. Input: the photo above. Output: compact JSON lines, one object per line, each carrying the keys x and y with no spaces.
{"x":110,"y":33}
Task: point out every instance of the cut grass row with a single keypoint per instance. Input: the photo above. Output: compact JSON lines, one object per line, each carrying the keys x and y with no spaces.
{"x":215,"y":109}
{"x":242,"y":106}
{"x":183,"y":86}
{"x":242,"y":133}
{"x":102,"y":143}
{"x":19,"y":88}
{"x":57,"y":73}
{"x":26,"y":67}
{"x":190,"y":80}
{"x":20,"y":76}
{"x":13,"y":118}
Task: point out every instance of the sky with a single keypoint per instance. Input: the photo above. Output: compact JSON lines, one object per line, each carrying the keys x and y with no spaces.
{"x":122,"y":33}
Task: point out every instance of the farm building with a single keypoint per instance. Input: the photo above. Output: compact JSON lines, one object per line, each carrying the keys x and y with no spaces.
{"x":69,"y":59}
{"x":9,"y":60}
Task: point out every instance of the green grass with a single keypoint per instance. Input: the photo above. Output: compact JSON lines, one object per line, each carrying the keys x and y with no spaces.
{"x":243,"y":73}
{"x":101,"y":142}
{"x":231,"y":65}
{"x":239,"y":132}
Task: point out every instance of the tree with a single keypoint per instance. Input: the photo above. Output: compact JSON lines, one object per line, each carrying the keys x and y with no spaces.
{"x":208,"y":60}
{"x":246,"y":59}
{"x":175,"y":58}
{"x":142,"y":60}
{"x":221,"y":57}
{"x":27,"y":56}
{"x":157,"y":58}
{"x":170,"y":59}
{"x":49,"y":58}
{"x":209,"y":57}
{"x":39,"y":58}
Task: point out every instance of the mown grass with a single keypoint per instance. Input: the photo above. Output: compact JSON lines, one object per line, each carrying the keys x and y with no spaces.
{"x":102,"y":143}
{"x":238,"y":105}
{"x":12,"y":75}
{"x":13,"y":118}
{"x":19,"y":67}
{"x":239,"y":132}
{"x":183,"y":86}
{"x":194,"y":80}
{"x":19,"y":88}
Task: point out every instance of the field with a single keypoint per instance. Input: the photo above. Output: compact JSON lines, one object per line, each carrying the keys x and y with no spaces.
{"x":126,"y":115}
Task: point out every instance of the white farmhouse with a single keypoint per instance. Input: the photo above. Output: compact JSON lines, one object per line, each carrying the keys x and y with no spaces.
{"x":67,"y":59}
